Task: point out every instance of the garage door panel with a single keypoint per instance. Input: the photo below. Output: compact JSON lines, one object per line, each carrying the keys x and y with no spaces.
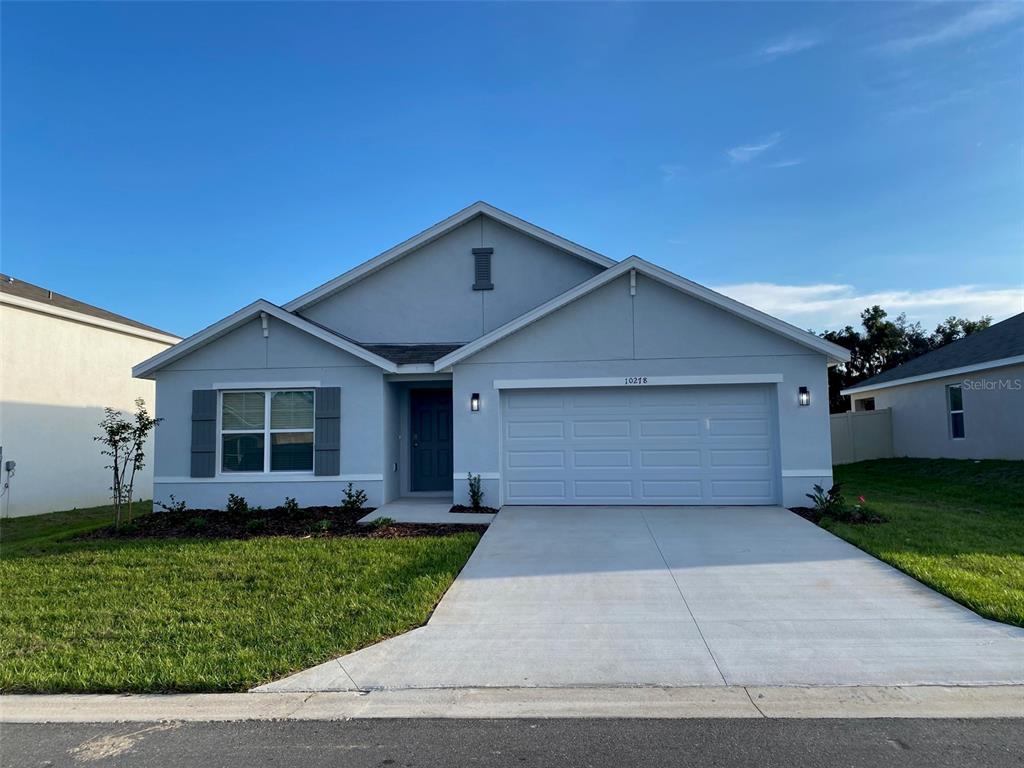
{"x":737,"y":427}
{"x":534,"y":429}
{"x":658,"y":491}
{"x":600,"y":491}
{"x":603,"y":459}
{"x":537,"y":491}
{"x":587,"y":428}
{"x":516,"y":459}
{"x":660,"y":445}
{"x":738,"y":457}
{"x":669,"y":458}
{"x":670,"y":428}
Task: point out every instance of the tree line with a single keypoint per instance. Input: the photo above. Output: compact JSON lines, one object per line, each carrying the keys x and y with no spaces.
{"x":880,"y":344}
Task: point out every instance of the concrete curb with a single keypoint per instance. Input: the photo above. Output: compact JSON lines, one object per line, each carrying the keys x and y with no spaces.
{"x":696,"y":702}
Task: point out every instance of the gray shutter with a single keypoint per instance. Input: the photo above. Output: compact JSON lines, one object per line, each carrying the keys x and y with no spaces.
{"x":482,"y":269}
{"x":204,"y":433}
{"x":327,"y":434}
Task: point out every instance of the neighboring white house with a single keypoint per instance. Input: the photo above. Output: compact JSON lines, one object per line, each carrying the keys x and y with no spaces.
{"x":486,"y":344}
{"x":61,"y":362}
{"x":963,"y":401}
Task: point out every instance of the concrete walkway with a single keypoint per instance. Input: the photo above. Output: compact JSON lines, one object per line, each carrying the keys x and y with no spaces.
{"x":426,"y":510}
{"x":738,"y":596}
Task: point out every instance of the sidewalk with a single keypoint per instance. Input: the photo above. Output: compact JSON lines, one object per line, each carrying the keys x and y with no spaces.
{"x":696,"y":702}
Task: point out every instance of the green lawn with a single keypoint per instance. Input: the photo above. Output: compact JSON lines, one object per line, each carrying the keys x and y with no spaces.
{"x":202,"y":615}
{"x":18,"y":531}
{"x":957,"y":526}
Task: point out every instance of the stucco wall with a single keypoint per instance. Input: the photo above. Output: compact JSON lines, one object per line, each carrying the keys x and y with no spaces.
{"x":56,"y":377}
{"x":659,"y":332}
{"x":286,"y":357}
{"x":993,"y":416}
{"x":427,"y":295}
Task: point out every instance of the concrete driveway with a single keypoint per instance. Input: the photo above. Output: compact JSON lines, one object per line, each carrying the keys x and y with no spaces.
{"x":678,"y":596}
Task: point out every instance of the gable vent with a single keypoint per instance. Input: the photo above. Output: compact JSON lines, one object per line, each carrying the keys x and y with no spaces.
{"x":482,"y":269}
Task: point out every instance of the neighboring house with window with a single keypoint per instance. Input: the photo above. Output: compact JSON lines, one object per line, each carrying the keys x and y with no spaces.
{"x":962,"y":401}
{"x":61,"y":362}
{"x":486,"y":344}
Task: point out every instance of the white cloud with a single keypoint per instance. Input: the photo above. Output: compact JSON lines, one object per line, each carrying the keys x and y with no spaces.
{"x":671,"y":172}
{"x":786,"y":163}
{"x":793,"y":43}
{"x":747,"y":152}
{"x":830,"y":305}
{"x":979,"y":19}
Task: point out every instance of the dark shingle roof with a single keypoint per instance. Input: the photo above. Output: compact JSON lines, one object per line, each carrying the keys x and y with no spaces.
{"x":411,"y":354}
{"x":1005,"y":339}
{"x":14,"y":287}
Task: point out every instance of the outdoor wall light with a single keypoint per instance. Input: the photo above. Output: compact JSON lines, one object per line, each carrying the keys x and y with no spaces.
{"x":804,"y":396}
{"x":474,"y":402}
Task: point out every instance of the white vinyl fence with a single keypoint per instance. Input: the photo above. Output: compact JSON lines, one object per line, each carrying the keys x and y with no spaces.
{"x":861,"y":435}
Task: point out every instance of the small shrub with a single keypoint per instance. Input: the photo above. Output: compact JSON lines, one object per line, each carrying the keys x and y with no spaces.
{"x":197,"y":523}
{"x":256,"y":525}
{"x":476,"y":492}
{"x":827,"y":502}
{"x":173,"y":505}
{"x":291,"y":506}
{"x":237,"y":505}
{"x":324,"y":526}
{"x":353,"y":499}
{"x":382,"y":522}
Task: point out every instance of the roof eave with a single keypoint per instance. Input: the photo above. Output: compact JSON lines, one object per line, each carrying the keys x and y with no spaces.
{"x":147,"y":368}
{"x":931,"y":376}
{"x":433,"y":233}
{"x":833,"y":352}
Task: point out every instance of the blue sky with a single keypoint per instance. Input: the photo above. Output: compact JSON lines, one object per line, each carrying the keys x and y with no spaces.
{"x":173,"y":162}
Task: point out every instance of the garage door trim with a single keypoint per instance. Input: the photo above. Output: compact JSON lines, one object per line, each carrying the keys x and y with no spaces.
{"x":648,"y":381}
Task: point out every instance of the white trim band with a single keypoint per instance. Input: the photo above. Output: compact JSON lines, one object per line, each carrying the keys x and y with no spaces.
{"x":639,"y":382}
{"x":807,"y":473}
{"x":243,"y":477}
{"x":1002,"y":362}
{"x":265,"y":385}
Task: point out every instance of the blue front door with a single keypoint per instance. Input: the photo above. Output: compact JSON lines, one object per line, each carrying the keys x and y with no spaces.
{"x":431,"y":439}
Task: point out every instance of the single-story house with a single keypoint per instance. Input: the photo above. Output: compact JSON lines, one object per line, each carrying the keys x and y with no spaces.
{"x":61,"y":362}
{"x":488,"y":345}
{"x":962,"y":401}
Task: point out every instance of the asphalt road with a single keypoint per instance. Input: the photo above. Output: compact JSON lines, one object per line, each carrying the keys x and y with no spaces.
{"x":500,"y":743}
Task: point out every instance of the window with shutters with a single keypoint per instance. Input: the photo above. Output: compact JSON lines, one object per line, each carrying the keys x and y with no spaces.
{"x":266,"y":430}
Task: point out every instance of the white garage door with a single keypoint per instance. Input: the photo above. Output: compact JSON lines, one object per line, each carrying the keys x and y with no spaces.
{"x":640,"y":445}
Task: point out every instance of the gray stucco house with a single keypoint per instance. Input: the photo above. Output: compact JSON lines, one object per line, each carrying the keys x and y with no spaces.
{"x":963,"y":401}
{"x":486,"y":344}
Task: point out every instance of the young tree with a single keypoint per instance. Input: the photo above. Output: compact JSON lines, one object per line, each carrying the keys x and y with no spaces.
{"x":124,"y":442}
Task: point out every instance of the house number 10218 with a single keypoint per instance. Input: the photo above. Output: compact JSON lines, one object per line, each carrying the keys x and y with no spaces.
{"x":636,"y":380}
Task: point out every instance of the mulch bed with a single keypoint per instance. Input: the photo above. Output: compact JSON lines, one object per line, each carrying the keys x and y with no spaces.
{"x":307,"y":521}
{"x":861,"y":518}
{"x":481,"y":511}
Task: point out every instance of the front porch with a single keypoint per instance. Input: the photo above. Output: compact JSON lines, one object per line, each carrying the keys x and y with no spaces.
{"x":426,"y":509}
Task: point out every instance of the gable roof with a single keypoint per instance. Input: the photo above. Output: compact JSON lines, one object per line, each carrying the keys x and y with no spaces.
{"x":834,"y":352}
{"x":432,"y":233}
{"x":146,"y":368}
{"x":997,"y":345}
{"x":61,"y":305}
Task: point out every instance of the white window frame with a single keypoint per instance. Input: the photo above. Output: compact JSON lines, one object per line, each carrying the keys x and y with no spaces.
{"x":950,"y":410}
{"x":267,"y":433}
